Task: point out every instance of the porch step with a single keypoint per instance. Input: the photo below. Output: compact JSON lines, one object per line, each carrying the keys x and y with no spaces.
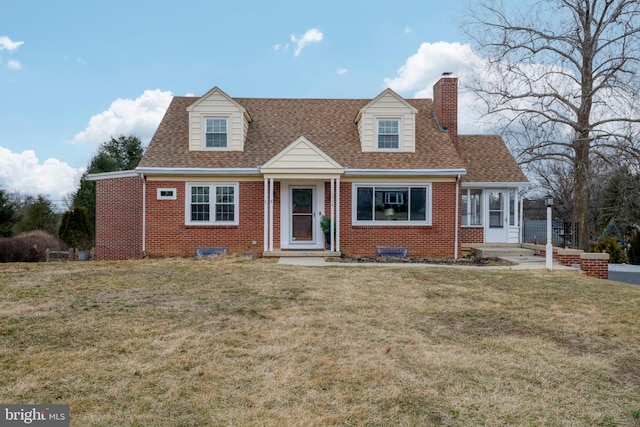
{"x":498,"y":251}
{"x":308,"y":254}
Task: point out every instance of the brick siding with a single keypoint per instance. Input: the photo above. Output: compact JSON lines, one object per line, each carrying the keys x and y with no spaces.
{"x":119,"y":218}
{"x":119,"y":223}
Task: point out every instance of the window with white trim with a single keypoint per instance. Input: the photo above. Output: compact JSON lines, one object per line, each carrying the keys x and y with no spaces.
{"x":392,"y":204}
{"x":215,"y":132}
{"x":211,"y":204}
{"x":472,"y":207}
{"x":166,"y":194}
{"x":388,"y":134}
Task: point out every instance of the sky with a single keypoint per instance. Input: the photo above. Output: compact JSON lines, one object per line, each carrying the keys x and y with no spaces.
{"x":75,"y":73}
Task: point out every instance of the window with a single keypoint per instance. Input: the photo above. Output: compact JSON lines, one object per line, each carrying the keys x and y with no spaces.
{"x":471,"y":207}
{"x":388,"y":134}
{"x":211,"y":204}
{"x":215,"y":135}
{"x":166,"y":194}
{"x":397,"y":205}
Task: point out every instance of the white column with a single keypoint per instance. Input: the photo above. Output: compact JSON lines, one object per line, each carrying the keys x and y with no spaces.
{"x":549,"y":248}
{"x":271,"y":214}
{"x":266,"y":215}
{"x":338,"y":214}
{"x":332,"y":214}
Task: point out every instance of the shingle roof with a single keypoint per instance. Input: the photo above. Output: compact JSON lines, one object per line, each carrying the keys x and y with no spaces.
{"x":327,"y":123}
{"x":488,"y":159}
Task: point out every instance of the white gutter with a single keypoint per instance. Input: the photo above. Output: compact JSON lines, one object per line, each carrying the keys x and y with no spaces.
{"x":466,"y":184}
{"x":108,"y":175}
{"x":405,"y":172}
{"x":199,"y":171}
{"x":144,"y":216}
{"x":455,"y":248}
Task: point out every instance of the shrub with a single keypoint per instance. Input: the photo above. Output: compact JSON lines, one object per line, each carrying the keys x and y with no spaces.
{"x":610,"y":245}
{"x":75,"y":229}
{"x":29,"y":247}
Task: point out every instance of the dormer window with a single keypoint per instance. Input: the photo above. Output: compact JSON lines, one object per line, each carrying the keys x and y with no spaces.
{"x":388,"y":134}
{"x":215,"y":135}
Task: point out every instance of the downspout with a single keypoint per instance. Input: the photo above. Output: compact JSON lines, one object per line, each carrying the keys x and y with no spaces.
{"x":144,"y":216}
{"x":455,"y":249}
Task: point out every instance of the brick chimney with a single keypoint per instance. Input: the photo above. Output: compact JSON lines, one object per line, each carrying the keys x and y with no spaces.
{"x":445,"y":105}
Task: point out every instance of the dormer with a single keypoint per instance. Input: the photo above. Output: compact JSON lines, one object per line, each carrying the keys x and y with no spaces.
{"x":217,"y":123}
{"x":387,"y":124}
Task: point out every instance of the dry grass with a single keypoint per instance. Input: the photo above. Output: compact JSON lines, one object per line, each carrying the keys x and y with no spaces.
{"x":232,"y":341}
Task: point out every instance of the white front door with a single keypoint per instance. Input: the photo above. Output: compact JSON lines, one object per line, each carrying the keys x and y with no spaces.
{"x":497,"y":224}
{"x":301,"y":211}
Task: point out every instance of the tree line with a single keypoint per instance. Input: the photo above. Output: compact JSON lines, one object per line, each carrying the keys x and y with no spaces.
{"x":21,"y":213}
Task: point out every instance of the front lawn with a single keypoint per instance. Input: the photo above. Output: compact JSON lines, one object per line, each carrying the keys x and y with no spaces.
{"x":233,"y":341}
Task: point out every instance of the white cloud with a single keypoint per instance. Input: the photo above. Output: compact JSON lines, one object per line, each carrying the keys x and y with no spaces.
{"x":23,"y":172}
{"x":14,"y":65}
{"x":408,"y":30}
{"x":7,"y":44}
{"x":280,"y":46}
{"x":424,"y":68}
{"x":311,"y":36}
{"x":342,"y":71}
{"x":139,"y":117}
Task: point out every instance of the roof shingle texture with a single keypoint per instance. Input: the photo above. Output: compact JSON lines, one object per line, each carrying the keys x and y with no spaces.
{"x":328,"y":124}
{"x":488,"y":160}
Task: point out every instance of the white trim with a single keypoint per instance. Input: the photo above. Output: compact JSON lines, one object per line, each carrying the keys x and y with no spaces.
{"x":455,"y":233}
{"x":197,"y":171}
{"x":285,"y":214}
{"x":112,"y":175}
{"x":377,"y":134}
{"x":265,"y":237}
{"x":271,"y":188}
{"x":204,"y":119}
{"x":337,"y":226}
{"x":212,"y":203}
{"x":428,"y":213}
{"x":405,"y":172}
{"x":172,"y":196}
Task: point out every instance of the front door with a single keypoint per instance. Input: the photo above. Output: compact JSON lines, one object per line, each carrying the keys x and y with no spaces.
{"x":497,"y":226}
{"x":302,"y":216}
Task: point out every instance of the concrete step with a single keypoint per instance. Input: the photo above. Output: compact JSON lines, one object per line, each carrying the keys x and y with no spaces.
{"x":502,"y":251}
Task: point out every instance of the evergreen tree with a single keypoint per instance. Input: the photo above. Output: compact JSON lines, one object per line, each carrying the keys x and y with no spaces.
{"x":38,"y":215}
{"x":117,"y":154}
{"x":75,"y":229}
{"x":8,"y":215}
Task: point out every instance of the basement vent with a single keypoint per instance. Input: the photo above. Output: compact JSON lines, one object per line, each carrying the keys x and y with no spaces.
{"x":392,"y":251}
{"x":210,"y":252}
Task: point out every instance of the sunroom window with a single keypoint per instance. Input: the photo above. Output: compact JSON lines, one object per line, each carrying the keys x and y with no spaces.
{"x":471,"y":207}
{"x":212,"y":204}
{"x":381,"y":204}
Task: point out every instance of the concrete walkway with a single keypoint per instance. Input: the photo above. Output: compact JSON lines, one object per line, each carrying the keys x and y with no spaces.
{"x":520,"y":263}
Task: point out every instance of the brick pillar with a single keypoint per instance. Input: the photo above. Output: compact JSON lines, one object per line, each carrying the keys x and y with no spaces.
{"x":595,"y":264}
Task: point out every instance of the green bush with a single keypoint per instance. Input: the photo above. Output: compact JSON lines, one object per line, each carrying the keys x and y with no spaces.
{"x":610,"y":245}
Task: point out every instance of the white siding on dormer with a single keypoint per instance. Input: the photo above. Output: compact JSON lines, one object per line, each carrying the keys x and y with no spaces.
{"x":216,"y":104}
{"x":387,"y":105}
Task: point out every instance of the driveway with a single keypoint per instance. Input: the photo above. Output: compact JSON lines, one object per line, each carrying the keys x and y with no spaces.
{"x":625,"y":273}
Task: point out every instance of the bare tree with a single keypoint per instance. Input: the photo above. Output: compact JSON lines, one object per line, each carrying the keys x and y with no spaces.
{"x":563,"y":82}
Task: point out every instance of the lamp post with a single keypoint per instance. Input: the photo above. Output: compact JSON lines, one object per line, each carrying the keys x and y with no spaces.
{"x":548,"y":200}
